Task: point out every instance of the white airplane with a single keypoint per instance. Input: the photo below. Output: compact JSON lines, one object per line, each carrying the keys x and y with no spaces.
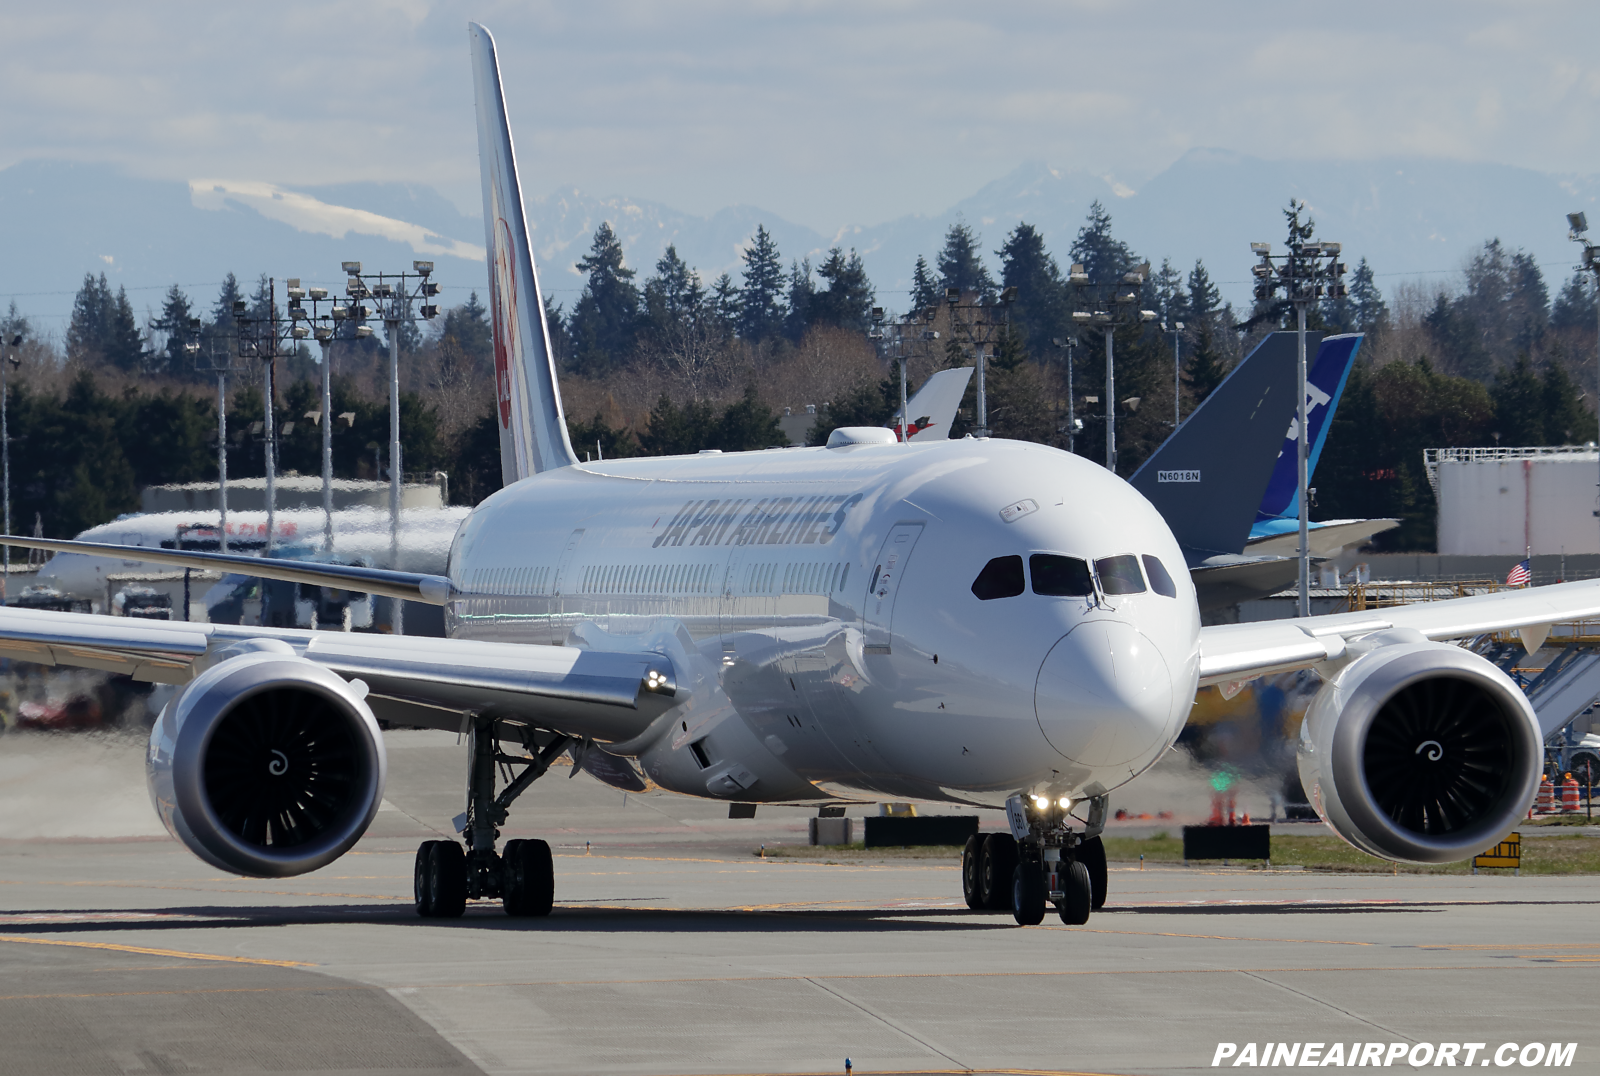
{"x":359,"y":533}
{"x":979,"y":621}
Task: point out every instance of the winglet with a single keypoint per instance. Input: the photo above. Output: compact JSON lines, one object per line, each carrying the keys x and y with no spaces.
{"x":533,"y":430}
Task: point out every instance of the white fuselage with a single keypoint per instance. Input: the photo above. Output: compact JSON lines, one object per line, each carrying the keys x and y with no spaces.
{"x":361,"y":534}
{"x":826,"y":598}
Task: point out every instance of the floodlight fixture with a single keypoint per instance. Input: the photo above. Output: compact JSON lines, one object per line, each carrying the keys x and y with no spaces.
{"x":1179,"y":325}
{"x":1009,"y":295}
{"x":1261,"y":248}
{"x":430,"y":312}
{"x":1082,"y":317}
{"x":339,"y":313}
{"x":194,"y":325}
{"x":238,"y":308}
{"x":324,"y":334}
{"x":1147,"y":315}
{"x":317,"y":293}
{"x":1076,"y":274}
{"x":422,"y":267}
{"x":348,"y":418}
{"x":1578,"y":222}
{"x":299,"y":332}
{"x":293,"y":283}
{"x":952,"y":296}
{"x":877,"y":313}
{"x":363,"y":331}
{"x":351,"y":268}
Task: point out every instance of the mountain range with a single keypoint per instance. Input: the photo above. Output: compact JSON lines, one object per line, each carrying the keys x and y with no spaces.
{"x":1408,"y":217}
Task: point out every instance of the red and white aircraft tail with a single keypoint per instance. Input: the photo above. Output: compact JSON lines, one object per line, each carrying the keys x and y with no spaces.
{"x":930,"y":413}
{"x":533,"y":430}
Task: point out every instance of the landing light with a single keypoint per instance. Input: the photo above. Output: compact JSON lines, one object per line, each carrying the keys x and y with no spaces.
{"x":1042,"y":802}
{"x":1066,"y":803}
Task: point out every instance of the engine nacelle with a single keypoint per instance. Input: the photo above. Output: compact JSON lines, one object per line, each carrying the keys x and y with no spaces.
{"x":267,"y":764}
{"x":1420,"y":752}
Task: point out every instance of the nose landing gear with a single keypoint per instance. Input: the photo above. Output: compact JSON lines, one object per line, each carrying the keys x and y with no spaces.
{"x":1042,"y":861}
{"x":447,"y":875}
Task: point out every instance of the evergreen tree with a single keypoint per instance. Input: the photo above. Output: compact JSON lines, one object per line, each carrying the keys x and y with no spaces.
{"x":1370,"y":310}
{"x":606,"y":316}
{"x":674,"y":293}
{"x":14,"y":324}
{"x":747,"y":425}
{"x":761,"y":311}
{"x":467,"y":326}
{"x":674,"y":431}
{"x":1206,"y":366}
{"x":802,"y":291}
{"x":961,"y":263}
{"x":1171,"y":301}
{"x":1102,"y":256}
{"x":1518,"y":399}
{"x":1205,"y":300}
{"x":89,"y":331}
{"x":124,"y":344}
{"x":725,"y":306}
{"x":1573,"y":309}
{"x":1566,"y":421}
{"x":1040,"y":311}
{"x":847,"y":300}
{"x":924,"y":288}
{"x":594,"y":439}
{"x":174,"y":324}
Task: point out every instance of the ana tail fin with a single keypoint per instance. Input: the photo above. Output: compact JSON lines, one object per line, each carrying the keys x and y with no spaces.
{"x":533,"y":430}
{"x":1208,"y":478}
{"x":1330,"y":369}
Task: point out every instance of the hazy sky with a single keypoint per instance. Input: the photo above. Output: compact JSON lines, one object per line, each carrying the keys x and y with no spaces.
{"x":825,"y":113}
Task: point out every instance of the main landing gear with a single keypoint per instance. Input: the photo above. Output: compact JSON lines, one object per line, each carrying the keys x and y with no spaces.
{"x":1040,"y":862}
{"x":448,"y":874}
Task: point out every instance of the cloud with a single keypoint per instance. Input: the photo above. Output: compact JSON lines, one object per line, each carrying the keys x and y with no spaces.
{"x":308,"y":214}
{"x":827,"y":111}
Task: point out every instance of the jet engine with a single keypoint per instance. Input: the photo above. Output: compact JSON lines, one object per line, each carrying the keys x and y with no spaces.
{"x":1420,"y":752}
{"x":267,"y":764}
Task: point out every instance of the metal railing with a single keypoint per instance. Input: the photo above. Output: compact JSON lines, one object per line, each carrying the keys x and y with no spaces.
{"x":1433,"y":457}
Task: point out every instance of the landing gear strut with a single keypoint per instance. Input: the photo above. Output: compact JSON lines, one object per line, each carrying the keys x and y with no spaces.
{"x":447,"y":875}
{"x":1042,"y":861}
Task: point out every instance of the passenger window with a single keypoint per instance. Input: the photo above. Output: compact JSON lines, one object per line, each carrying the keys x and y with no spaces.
{"x":1160,"y":581}
{"x":1000,"y":578}
{"x":1060,"y":577}
{"x":1120,"y":575}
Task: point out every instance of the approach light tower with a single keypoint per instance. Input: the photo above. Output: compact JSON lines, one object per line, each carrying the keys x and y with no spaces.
{"x":1108,"y":306}
{"x":1577,"y":226}
{"x":397,"y":296}
{"x":1309,"y":272}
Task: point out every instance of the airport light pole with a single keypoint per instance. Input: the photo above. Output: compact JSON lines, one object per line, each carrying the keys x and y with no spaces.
{"x":975,"y":323}
{"x":1309,"y":272}
{"x":1177,"y":371}
{"x":1577,"y":226}
{"x":10,"y":362}
{"x":1109,"y":305}
{"x":222,"y":370}
{"x":398,"y":292}
{"x":1065,"y":344}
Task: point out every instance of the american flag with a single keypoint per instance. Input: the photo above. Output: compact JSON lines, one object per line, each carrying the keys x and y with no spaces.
{"x":1518,"y":576}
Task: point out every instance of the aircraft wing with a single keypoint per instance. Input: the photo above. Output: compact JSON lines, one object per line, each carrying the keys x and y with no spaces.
{"x":1326,"y":538}
{"x":426,"y":682}
{"x":1236,"y":652}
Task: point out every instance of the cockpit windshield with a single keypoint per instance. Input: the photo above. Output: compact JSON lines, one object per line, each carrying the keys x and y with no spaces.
{"x":1058,"y":576}
{"x":1120,"y":575}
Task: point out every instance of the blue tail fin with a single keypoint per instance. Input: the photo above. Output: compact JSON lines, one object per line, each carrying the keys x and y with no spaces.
{"x":533,"y":431}
{"x":1324,"y":387}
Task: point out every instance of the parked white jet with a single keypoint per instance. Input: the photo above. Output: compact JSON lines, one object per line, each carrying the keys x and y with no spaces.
{"x":977,"y":621}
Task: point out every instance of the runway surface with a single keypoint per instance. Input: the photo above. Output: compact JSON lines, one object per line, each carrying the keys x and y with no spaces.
{"x":674,"y":949}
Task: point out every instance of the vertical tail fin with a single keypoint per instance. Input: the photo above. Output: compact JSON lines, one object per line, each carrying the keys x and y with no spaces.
{"x":533,"y":430}
{"x":1330,"y":369}
{"x":1208,"y":478}
{"x":932,"y":411}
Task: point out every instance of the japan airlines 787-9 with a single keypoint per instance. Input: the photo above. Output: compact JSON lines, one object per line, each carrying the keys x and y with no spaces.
{"x":976,"y":621}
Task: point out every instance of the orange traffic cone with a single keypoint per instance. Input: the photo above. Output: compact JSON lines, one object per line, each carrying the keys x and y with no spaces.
{"x":1569,"y":794}
{"x":1216,"y":810}
{"x":1546,"y":803}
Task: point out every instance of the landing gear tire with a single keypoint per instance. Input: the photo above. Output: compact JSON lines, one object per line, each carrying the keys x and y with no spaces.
{"x":528,"y":878}
{"x":1027,"y":895}
{"x":995,"y":867}
{"x":1074,"y":907}
{"x":441,"y":880}
{"x":971,"y":861}
{"x":1092,"y":854}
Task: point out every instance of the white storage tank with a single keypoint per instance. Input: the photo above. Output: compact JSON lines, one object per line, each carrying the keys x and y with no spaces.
{"x":1504,"y":501}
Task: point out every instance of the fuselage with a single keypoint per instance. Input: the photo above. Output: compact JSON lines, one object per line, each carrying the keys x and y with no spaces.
{"x":830,"y":601}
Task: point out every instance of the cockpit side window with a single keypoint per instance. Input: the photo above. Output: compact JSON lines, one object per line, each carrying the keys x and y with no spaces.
{"x":1058,"y":576}
{"x":1000,"y":578}
{"x":1160,"y":581}
{"x":1120,"y":575}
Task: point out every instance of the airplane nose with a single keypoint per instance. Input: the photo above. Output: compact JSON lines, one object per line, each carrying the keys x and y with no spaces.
{"x":1104,"y":694}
